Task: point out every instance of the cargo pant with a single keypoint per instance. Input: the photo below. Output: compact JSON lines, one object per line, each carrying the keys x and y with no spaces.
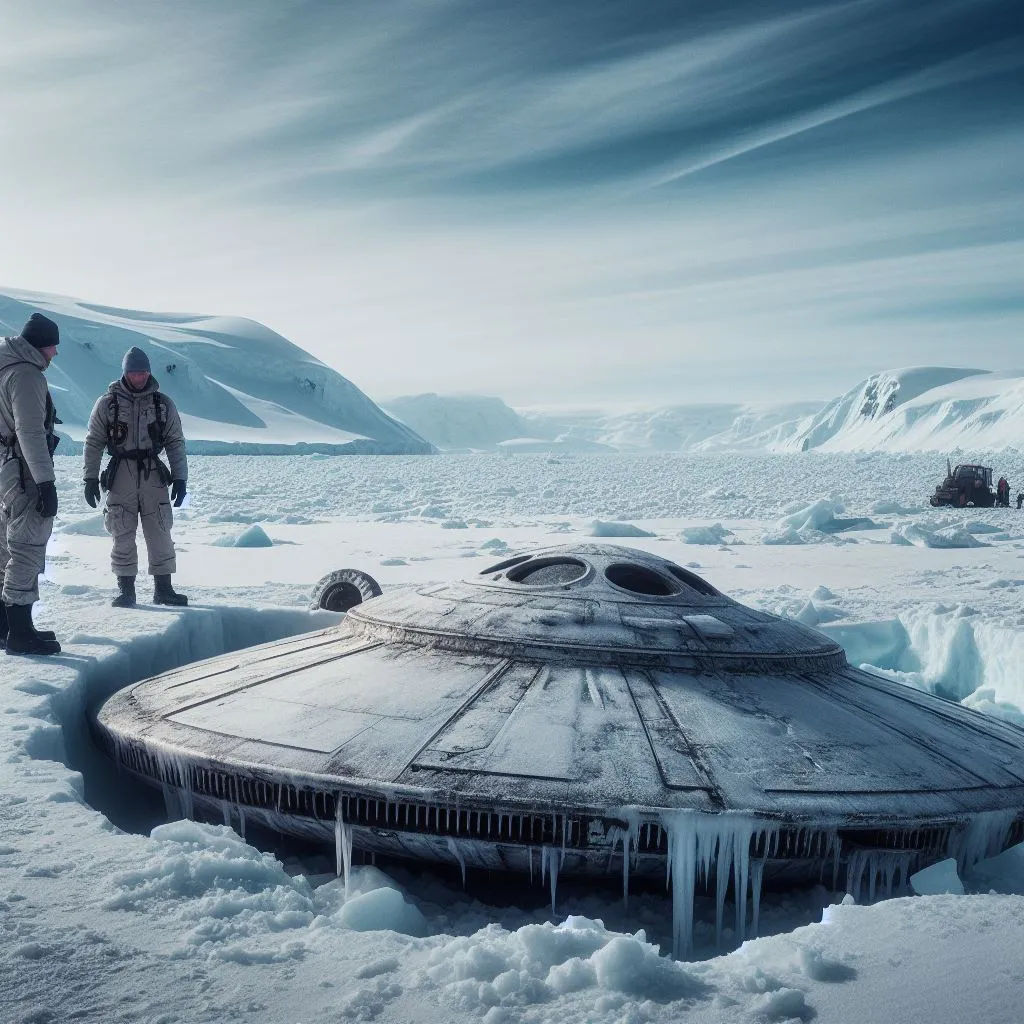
{"x":136,"y":497}
{"x":24,"y":534}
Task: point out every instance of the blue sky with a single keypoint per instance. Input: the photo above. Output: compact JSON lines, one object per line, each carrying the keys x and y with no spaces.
{"x":559,"y":203}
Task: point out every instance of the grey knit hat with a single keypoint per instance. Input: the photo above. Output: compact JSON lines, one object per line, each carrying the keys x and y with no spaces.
{"x":135,"y":361}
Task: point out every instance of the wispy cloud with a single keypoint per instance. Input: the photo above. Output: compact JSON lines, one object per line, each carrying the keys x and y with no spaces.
{"x":422,"y":191}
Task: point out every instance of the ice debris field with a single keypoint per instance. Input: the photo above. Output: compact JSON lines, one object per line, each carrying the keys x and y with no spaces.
{"x":109,"y":911}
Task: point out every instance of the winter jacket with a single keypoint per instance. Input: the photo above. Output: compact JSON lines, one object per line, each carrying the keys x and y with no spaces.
{"x":136,"y":428}
{"x":26,"y":411}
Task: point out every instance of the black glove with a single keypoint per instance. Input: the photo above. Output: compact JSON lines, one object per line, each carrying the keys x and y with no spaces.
{"x":92,"y":491}
{"x":178,"y":492}
{"x":46,"y":506}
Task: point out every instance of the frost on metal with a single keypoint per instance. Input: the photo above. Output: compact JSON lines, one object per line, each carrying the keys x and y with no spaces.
{"x":576,"y":711}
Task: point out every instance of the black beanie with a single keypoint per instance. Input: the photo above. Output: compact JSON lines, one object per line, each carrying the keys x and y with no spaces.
{"x":40,"y":331}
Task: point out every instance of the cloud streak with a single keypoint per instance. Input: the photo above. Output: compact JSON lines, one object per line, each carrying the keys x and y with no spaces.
{"x":421,"y":191}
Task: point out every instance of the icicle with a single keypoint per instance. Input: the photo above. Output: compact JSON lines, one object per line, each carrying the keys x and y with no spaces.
{"x":697,"y":844}
{"x":241,"y":821}
{"x":551,"y":863}
{"x":756,"y":875}
{"x":456,"y":852}
{"x":342,"y":845}
{"x":225,"y":809}
{"x":984,"y":835}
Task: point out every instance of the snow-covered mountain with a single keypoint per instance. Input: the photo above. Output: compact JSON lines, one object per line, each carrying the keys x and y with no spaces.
{"x":920,"y":408}
{"x":234,"y":380}
{"x":468,"y":421}
{"x":459,"y":421}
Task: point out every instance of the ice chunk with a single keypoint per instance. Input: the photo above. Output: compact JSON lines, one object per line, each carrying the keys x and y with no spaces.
{"x":937,"y":879}
{"x":253,"y":537}
{"x":599,"y":528}
{"x":714,"y":534}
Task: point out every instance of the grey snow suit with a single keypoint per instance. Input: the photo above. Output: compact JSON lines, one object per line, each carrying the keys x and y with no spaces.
{"x":133,"y":426}
{"x":27,"y":419}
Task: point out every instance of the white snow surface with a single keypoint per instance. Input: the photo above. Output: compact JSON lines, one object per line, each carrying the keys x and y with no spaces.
{"x":111,"y":912}
{"x":233,"y":380}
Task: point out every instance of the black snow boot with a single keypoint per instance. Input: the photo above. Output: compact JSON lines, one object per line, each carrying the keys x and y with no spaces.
{"x":163,"y":592}
{"x":126,"y":595}
{"x":46,"y":634}
{"x":22,"y":637}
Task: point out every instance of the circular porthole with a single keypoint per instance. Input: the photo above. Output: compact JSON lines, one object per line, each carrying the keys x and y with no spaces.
{"x":548,"y":572}
{"x":638,"y":579}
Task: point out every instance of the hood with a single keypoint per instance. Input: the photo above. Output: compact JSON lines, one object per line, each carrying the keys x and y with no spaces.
{"x":119,"y":388}
{"x":18,"y":350}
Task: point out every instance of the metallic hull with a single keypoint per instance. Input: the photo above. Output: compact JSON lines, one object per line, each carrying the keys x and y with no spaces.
{"x":500,"y":722}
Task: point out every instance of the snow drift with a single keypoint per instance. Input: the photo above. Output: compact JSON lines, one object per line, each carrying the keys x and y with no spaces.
{"x":233,"y":380}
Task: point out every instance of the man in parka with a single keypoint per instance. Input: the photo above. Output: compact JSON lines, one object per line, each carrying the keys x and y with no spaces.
{"x":135,"y":422}
{"x":28,"y":494}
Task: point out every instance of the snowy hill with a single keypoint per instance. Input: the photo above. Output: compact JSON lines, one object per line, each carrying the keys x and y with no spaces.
{"x":921,"y":408}
{"x":233,"y":380}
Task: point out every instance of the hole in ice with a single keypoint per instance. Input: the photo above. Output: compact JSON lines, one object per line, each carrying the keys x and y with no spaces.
{"x":203,"y":633}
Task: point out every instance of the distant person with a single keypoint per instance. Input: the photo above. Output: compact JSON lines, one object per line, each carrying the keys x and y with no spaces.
{"x":1003,"y":492}
{"x":135,"y":423}
{"x":28,"y":494}
{"x":1020,"y":498}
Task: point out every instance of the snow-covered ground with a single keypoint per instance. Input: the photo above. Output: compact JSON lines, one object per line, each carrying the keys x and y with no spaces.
{"x":108,"y":912}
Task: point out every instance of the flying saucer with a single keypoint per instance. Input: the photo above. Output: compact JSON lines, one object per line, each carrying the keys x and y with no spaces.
{"x":577,"y":710}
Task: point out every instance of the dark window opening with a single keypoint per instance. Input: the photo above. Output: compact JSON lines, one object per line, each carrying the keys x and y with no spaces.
{"x":639,"y":580}
{"x":549,"y":572}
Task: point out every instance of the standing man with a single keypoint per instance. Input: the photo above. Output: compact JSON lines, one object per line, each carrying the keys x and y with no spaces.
{"x":135,"y":423}
{"x":28,"y":494}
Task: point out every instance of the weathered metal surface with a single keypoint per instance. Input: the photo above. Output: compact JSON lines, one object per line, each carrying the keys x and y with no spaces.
{"x":576,"y":699}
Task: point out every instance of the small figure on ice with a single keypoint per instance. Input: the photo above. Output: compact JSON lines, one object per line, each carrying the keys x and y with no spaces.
{"x":28,"y":494}
{"x":1003,"y":492}
{"x":1020,"y":498}
{"x":136,"y":423}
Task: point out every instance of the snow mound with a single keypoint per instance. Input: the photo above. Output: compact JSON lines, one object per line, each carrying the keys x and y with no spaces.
{"x":920,"y":536}
{"x":383,"y":909}
{"x":714,"y":534}
{"x":233,"y":380}
{"x":254,"y":537}
{"x":497,"y":968}
{"x":599,"y":528}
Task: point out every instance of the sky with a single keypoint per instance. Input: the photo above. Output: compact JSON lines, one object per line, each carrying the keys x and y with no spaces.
{"x":561,"y":204}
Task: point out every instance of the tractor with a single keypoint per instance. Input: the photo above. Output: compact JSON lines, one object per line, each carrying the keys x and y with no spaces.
{"x":965,"y":485}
